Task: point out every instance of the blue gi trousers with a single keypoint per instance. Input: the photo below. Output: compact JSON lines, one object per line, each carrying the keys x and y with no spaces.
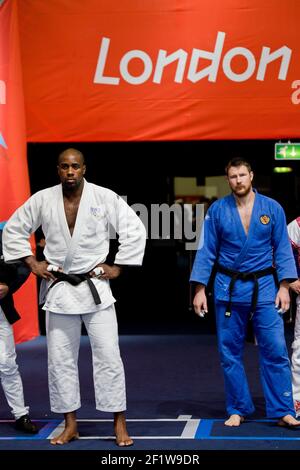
{"x":273,"y":356}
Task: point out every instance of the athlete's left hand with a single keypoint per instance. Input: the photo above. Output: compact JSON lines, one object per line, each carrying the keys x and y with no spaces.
{"x":3,"y":290}
{"x":282,"y":301}
{"x":109,"y":272}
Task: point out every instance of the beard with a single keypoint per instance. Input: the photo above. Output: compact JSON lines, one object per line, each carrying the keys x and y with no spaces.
{"x":242,"y":191}
{"x":71,"y":185}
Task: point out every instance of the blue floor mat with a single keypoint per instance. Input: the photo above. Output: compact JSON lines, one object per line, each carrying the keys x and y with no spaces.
{"x":175,"y":401}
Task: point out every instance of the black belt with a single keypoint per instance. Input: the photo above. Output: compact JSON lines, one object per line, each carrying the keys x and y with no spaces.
{"x":9,"y":310}
{"x":8,"y":273}
{"x":245,"y":276}
{"x":74,"y":280}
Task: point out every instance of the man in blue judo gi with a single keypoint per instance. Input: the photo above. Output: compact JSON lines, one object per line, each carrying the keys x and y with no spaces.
{"x":245,"y":240}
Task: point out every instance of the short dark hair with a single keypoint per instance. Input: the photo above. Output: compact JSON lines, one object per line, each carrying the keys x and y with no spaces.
{"x":237,"y":161}
{"x":73,"y":151}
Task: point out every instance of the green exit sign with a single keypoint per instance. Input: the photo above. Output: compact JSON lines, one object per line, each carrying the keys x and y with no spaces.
{"x":287,"y":151}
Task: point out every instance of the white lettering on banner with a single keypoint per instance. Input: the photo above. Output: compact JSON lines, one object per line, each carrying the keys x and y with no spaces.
{"x":266,"y":58}
{"x":193,"y":74}
{"x":296,"y":95}
{"x":2,"y":92}
{"x":164,"y":60}
{"x":239,"y":77}
{"x":212,"y":70}
{"x":147,"y":67}
{"x":99,"y":77}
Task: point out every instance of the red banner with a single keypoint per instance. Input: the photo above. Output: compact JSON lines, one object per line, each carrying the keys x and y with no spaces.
{"x":161,"y":70}
{"x":14,"y":181}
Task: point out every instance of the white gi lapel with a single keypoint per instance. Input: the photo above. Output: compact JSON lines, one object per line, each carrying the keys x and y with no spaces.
{"x":62,"y":216}
{"x":82,"y":214}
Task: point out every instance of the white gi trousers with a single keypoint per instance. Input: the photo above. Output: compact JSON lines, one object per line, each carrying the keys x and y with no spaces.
{"x":63,"y":338}
{"x":9,"y":373}
{"x":296,"y":354}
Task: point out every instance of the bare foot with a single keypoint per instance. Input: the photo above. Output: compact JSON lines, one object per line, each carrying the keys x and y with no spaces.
{"x":288,"y":421}
{"x":70,"y":432}
{"x":234,"y":420}
{"x":122,"y":437}
{"x":66,"y":436}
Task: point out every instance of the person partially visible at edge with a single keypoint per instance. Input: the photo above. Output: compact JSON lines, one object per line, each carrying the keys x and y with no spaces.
{"x":245,"y":239}
{"x":77,"y":218}
{"x":12,"y":276}
{"x":294,"y":234}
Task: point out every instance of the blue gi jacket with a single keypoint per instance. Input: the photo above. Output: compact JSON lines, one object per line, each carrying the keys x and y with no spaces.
{"x":267,"y":244}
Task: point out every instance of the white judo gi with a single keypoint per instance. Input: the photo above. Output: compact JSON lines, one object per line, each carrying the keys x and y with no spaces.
{"x":9,"y":373}
{"x":101,"y":214}
{"x":294,"y":234}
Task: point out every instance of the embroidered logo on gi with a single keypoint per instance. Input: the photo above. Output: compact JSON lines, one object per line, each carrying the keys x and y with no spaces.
{"x":265,"y":219}
{"x":96,"y":212}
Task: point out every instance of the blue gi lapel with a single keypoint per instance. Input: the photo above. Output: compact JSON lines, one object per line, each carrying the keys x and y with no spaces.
{"x":237,"y":220}
{"x":246,"y":239}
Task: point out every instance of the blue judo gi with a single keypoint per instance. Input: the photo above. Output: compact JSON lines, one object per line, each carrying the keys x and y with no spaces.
{"x":224,"y":240}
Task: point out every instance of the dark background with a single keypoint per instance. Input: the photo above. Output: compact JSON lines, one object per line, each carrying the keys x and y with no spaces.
{"x":156,"y":298}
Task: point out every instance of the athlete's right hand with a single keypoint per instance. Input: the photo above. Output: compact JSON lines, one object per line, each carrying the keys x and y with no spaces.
{"x":295,"y":286}
{"x":39,"y":268}
{"x":200,"y":301}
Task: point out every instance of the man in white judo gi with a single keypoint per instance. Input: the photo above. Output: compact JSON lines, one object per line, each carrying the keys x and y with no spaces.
{"x":244,"y":237}
{"x":11,"y":278}
{"x":294,"y":234}
{"x":78,"y":219}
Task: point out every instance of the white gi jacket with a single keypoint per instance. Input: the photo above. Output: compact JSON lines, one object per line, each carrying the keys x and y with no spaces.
{"x":101,"y":214}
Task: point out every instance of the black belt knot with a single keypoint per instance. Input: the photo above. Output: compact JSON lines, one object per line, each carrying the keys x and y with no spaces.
{"x":245,"y":276}
{"x":74,"y":280}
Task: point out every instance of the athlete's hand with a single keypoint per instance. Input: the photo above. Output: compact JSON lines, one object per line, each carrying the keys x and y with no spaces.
{"x":3,"y":290}
{"x":200,"y":301}
{"x":39,"y":268}
{"x":282,"y":301}
{"x":108,"y":272}
{"x":295,"y":286}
